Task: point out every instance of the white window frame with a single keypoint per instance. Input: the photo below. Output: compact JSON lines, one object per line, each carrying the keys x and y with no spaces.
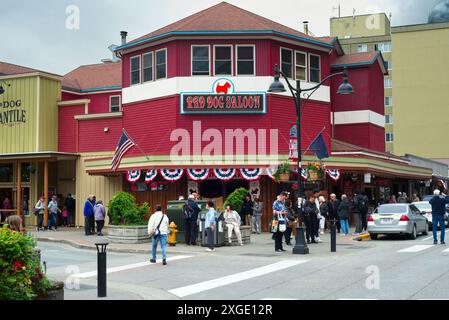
{"x":391,"y":135}
{"x":232,"y":59}
{"x":119,"y":103}
{"x":310,"y":66}
{"x":306,"y":66}
{"x":131,"y":71}
{"x":390,"y":99}
{"x":152,"y":66}
{"x":390,"y":67}
{"x":388,"y":79}
{"x":237,"y":60}
{"x":292,"y":62}
{"x":155,"y":64}
{"x":390,"y":117}
{"x":191,"y":60}
{"x":365,"y":46}
{"x":383,"y":46}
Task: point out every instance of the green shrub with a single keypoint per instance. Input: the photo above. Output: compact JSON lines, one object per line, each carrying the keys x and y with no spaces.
{"x":236,"y":199}
{"x":124,"y":210}
{"x":21,"y":276}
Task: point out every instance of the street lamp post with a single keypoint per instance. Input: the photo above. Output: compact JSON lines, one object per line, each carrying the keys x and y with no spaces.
{"x":276,"y":87}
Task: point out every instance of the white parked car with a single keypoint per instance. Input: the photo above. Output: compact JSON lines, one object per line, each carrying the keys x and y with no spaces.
{"x":426,"y":208}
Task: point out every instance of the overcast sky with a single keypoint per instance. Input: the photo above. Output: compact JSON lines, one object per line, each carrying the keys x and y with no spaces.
{"x":34,"y":33}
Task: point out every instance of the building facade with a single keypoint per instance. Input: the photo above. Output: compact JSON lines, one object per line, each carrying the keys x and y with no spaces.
{"x":366,"y":33}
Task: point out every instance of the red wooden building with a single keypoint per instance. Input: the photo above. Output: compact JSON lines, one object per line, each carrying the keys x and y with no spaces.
{"x":184,"y":92}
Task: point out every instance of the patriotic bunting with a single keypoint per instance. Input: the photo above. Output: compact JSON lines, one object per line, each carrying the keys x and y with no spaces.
{"x":198,"y":174}
{"x":225,"y":174}
{"x":303,"y":173}
{"x":150,"y":175}
{"x":133,"y":176}
{"x":334,"y":174}
{"x":251,"y":174}
{"x":270,"y":173}
{"x":172,"y":174}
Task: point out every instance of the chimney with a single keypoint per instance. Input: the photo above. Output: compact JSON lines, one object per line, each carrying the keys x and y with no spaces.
{"x":306,"y":27}
{"x":123,"y":34}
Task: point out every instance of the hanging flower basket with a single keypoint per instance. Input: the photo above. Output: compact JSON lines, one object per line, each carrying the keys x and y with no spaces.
{"x":315,"y":171}
{"x":282,"y":172}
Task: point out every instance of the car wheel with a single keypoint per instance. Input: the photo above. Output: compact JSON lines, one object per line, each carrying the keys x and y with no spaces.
{"x":413,"y":234}
{"x":426,"y":230}
{"x":373,"y":236}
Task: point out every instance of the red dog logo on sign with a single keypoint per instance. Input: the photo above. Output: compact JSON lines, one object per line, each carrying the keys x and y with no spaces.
{"x":224,"y":88}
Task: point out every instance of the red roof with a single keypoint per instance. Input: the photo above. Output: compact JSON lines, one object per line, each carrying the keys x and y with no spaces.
{"x":226,"y":17}
{"x":354,"y":58}
{"x":12,"y":69}
{"x":341,"y":146}
{"x":94,"y":76}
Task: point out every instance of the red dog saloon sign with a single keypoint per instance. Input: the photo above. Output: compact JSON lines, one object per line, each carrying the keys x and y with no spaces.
{"x":222,"y":99}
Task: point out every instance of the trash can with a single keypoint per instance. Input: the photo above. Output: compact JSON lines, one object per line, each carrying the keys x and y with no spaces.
{"x":218,"y":233}
{"x":174,"y":213}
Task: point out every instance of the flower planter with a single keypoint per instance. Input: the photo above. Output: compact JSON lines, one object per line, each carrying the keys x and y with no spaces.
{"x":284,"y":177}
{"x":313,"y":175}
{"x":56,"y":292}
{"x":128,"y":234}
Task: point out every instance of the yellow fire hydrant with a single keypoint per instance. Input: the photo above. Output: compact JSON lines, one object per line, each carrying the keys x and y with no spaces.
{"x":172,"y":237}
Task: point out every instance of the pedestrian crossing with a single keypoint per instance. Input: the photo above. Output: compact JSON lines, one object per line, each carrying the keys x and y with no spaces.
{"x":423,"y":247}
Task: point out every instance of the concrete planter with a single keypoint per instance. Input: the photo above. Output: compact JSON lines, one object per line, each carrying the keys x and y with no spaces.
{"x":244,"y":230}
{"x":56,"y":292}
{"x":128,"y":234}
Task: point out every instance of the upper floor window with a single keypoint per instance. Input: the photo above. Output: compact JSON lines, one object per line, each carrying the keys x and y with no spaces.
{"x":388,"y":64}
{"x":161,"y":64}
{"x":315,"y":68}
{"x":388,"y":119}
{"x":245,"y":60}
{"x":389,"y":137}
{"x":135,"y":70}
{"x":148,"y":67}
{"x":287,"y":62}
{"x":301,"y":66}
{"x":388,"y":101}
{"x":114,"y":103}
{"x":200,"y":60}
{"x":383,"y":46}
{"x":223,"y":60}
{"x":362,"y":48}
{"x":388,"y":83}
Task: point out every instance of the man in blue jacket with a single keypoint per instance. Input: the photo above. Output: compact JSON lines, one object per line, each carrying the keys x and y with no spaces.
{"x":438,"y":203}
{"x":88,"y":214}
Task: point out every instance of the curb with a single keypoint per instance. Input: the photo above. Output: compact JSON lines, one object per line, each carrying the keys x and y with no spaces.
{"x":119,"y":250}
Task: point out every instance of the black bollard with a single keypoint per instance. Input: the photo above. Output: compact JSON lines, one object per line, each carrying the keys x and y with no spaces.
{"x":101,"y":269}
{"x":333,"y":236}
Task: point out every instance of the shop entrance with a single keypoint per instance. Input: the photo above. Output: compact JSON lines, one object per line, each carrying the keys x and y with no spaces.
{"x":218,"y":190}
{"x":6,"y":203}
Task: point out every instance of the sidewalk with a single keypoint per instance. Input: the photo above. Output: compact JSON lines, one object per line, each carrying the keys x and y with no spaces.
{"x":260,"y":244}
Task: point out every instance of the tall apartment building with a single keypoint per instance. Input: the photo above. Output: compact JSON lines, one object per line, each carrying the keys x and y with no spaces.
{"x":365,"y":33}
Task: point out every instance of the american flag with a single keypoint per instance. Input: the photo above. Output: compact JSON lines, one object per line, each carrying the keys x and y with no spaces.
{"x":124,"y":144}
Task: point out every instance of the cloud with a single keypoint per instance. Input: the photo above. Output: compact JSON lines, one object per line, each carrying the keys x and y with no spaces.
{"x":34,"y":33}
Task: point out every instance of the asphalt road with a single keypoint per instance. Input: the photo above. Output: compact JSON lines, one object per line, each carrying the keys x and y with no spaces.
{"x":389,"y":268}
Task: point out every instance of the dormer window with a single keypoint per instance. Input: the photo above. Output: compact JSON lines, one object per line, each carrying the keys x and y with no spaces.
{"x":287,"y":62}
{"x":148,"y":67}
{"x":223,"y":60}
{"x":135,"y":70}
{"x":245,"y":60}
{"x":315,"y":68}
{"x":161,"y":64}
{"x":200,"y":61}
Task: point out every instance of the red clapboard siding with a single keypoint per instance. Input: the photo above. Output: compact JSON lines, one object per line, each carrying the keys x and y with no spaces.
{"x":67,"y":127}
{"x":93,"y":138}
{"x":364,"y":135}
{"x":99,"y":103}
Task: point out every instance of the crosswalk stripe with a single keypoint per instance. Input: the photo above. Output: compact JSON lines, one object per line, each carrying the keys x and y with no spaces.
{"x":447,"y":250}
{"x":223,"y":281}
{"x":417,"y":248}
{"x":431,"y":237}
{"x":129,"y":266}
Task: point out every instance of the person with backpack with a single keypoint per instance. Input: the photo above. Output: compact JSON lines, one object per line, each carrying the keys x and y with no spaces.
{"x":359,"y":205}
{"x":210,"y":224}
{"x":52,"y":213}
{"x":190,"y":211}
{"x":363,"y":207}
{"x":158,"y":229}
{"x":279,"y":223}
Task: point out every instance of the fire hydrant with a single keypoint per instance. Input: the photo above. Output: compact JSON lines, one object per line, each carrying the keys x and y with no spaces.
{"x":172,"y":237}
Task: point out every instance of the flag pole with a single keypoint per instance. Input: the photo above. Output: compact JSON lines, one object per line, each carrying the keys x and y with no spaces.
{"x":138,"y":147}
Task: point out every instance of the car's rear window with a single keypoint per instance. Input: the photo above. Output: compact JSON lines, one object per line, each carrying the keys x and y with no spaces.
{"x":423,"y":206}
{"x":391,"y":208}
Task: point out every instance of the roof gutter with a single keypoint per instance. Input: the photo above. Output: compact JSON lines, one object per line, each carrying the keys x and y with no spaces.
{"x":228,"y":32}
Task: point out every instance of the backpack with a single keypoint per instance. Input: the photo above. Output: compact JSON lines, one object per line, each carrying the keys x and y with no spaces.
{"x":362,"y":204}
{"x":187,"y":211}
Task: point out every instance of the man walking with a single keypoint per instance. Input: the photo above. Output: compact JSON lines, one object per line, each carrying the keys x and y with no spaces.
{"x":438,"y":203}
{"x":333,"y":210}
{"x":190,"y":211}
{"x":53,"y":211}
{"x":88,"y":215}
